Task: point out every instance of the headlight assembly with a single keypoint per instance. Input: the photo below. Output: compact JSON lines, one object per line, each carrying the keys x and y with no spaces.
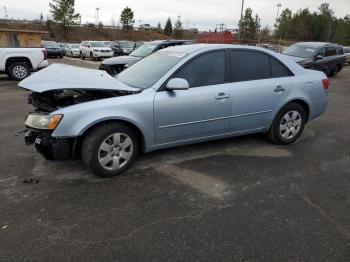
{"x":48,"y":122}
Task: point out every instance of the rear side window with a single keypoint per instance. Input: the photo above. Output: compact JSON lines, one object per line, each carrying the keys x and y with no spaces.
{"x":205,"y":70}
{"x":277,"y":69}
{"x":340,"y":50}
{"x":249,"y":65}
{"x":330,"y":51}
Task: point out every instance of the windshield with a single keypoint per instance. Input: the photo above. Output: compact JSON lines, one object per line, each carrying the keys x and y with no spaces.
{"x":74,"y":46}
{"x":126,"y":44}
{"x":299,"y":51}
{"x":148,"y":71}
{"x":51,"y":45}
{"x":144,"y":50}
{"x":97,"y":44}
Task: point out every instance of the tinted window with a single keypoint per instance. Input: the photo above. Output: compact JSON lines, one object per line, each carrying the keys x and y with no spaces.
{"x":346,"y":50}
{"x":322,"y":51}
{"x":330,"y":51}
{"x":277,"y":69}
{"x":208,"y":69}
{"x":249,"y":65}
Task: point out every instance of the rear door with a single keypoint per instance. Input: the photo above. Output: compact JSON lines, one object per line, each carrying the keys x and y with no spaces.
{"x":199,"y":112}
{"x":260,"y":85}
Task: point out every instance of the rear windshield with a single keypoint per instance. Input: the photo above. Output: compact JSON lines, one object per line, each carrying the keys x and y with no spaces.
{"x":126,"y":44}
{"x":300,"y":51}
{"x":51,"y":45}
{"x":144,"y":50}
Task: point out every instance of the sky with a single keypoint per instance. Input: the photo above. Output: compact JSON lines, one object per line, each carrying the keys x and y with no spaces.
{"x":202,"y":14}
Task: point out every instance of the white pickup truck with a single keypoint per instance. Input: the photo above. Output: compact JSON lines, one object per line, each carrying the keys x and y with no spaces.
{"x":18,"y":63}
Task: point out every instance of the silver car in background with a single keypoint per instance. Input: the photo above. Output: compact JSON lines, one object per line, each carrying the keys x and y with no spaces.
{"x":73,"y":50}
{"x":176,"y":96}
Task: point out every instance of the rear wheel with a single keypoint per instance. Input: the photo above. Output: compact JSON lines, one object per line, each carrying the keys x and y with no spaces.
{"x":288,"y":124}
{"x":18,"y":70}
{"x":110,"y":149}
{"x":336,"y":69}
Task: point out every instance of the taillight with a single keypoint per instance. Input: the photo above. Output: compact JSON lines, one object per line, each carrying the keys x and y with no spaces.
{"x":325,"y":83}
{"x":45,"y":54}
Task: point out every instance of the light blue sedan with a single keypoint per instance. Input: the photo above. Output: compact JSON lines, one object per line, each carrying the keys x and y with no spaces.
{"x":176,"y":96}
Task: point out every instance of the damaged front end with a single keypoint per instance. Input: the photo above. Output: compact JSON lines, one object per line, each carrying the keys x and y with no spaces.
{"x":42,"y":121}
{"x":51,"y":93}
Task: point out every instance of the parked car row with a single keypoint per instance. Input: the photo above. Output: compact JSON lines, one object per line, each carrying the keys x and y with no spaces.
{"x":94,"y":50}
{"x":115,"y":65}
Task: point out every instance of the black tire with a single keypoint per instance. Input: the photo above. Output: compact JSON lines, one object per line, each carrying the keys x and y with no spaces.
{"x":13,"y":73}
{"x":92,"y":142}
{"x":336,"y":69}
{"x":92,"y":58}
{"x":274,"y":133}
{"x":82,"y":56}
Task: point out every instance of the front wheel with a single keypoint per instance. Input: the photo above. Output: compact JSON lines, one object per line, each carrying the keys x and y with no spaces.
{"x":110,"y":149}
{"x":82,"y":56}
{"x":18,"y":71}
{"x":288,"y":124}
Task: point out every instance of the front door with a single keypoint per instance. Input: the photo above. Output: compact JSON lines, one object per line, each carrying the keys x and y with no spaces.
{"x":199,"y":112}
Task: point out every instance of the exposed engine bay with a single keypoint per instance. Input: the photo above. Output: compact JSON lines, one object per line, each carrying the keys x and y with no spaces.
{"x":53,"y":100}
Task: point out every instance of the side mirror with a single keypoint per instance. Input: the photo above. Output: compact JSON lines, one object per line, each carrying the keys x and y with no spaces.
{"x":318,"y":57}
{"x":177,"y":84}
{"x":89,"y":46}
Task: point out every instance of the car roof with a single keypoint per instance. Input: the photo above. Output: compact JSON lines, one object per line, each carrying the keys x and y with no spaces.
{"x":314,"y":44}
{"x":207,"y":47}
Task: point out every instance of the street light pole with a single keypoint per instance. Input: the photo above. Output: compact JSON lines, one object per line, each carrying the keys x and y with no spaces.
{"x":278,"y":10}
{"x":241,"y":20}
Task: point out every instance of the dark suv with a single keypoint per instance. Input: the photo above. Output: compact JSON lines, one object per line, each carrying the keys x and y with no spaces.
{"x":325,"y":57}
{"x":115,"y":65}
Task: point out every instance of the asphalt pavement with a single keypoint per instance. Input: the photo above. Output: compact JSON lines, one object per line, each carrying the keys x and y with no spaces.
{"x":239,"y":199}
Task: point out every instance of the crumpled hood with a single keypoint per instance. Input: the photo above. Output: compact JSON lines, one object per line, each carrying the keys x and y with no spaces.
{"x":63,"y":77}
{"x":121,"y":60}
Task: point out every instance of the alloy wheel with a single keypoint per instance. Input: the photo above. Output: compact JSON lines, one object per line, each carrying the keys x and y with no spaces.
{"x":290,"y":124}
{"x":115,"y":151}
{"x":19,"y":71}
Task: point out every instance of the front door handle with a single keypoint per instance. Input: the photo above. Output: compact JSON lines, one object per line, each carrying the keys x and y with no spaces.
{"x":222,"y":96}
{"x":279,"y":89}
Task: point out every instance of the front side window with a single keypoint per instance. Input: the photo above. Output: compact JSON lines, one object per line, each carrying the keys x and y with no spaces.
{"x":322,"y":51}
{"x":205,"y":70}
{"x":249,"y":65}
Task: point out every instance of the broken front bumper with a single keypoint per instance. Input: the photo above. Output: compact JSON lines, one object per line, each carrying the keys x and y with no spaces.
{"x":51,"y":148}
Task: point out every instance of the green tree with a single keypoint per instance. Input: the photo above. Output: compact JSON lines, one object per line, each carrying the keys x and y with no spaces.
{"x":127,"y":18}
{"x":63,"y":12}
{"x":178,"y":30}
{"x":159,"y":27}
{"x":284,"y":24}
{"x":168,"y":29}
{"x":342,"y":34}
{"x":249,"y":26}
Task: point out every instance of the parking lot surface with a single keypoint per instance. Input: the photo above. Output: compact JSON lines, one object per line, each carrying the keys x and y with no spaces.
{"x":239,"y":199}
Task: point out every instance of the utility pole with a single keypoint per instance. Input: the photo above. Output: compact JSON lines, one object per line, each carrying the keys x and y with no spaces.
{"x":97,"y":16}
{"x":5,"y":11}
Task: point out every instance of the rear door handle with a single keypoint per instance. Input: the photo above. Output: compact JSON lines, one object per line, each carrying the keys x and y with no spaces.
{"x":279,"y":89}
{"x":222,"y":96}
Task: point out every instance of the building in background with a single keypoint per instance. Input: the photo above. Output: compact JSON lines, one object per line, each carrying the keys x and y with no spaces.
{"x":21,"y":37}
